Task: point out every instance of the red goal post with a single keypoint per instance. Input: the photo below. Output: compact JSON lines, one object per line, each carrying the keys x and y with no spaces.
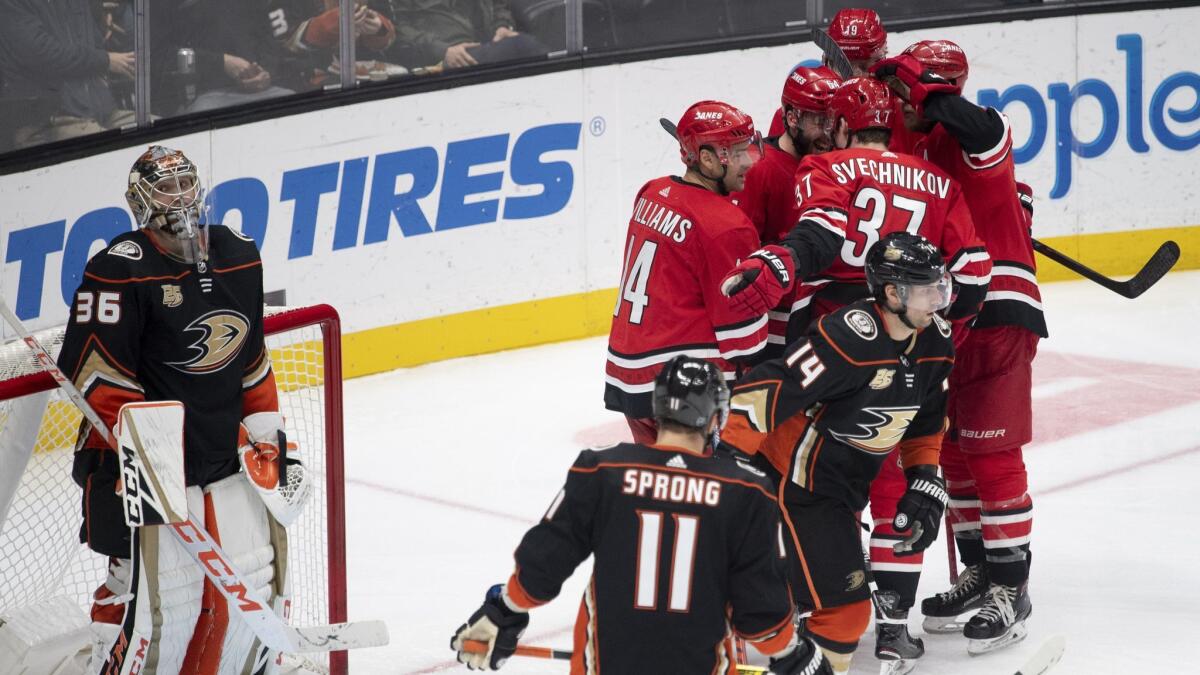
{"x":41,"y":559}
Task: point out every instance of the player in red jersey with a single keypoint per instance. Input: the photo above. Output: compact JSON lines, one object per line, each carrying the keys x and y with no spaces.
{"x":991,"y":413}
{"x":684,"y":235}
{"x":871,"y":192}
{"x":769,"y":197}
{"x":860,"y":34}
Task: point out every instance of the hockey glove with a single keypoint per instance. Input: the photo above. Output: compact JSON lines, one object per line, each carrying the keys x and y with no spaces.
{"x":804,"y":658}
{"x":754,"y":293}
{"x":912,"y":81}
{"x":498,"y":624}
{"x":920,"y":509}
{"x":273,"y":466}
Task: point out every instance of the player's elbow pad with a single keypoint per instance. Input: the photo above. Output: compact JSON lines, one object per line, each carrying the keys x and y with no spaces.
{"x":273,"y":466}
{"x":813,"y":248}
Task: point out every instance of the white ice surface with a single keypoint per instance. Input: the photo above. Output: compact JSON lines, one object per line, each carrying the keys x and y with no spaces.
{"x":448,"y":464}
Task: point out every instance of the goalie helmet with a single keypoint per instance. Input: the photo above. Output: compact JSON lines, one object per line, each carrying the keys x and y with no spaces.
{"x":943,"y":57}
{"x":689,"y":391}
{"x":809,"y":89}
{"x":859,"y":33}
{"x":716,"y":126}
{"x":164,"y":194}
{"x":864,"y":102}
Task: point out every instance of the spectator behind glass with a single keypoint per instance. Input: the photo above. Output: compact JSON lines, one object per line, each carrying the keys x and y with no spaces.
{"x":455,"y":33}
{"x":55,"y":71}
{"x":232,"y":54}
{"x":310,"y":32}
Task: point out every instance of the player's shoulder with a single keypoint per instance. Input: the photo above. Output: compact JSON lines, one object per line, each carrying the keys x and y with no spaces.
{"x":227,"y":248}
{"x":856,"y":332}
{"x":936,"y":341}
{"x":736,"y":470}
{"x":129,"y":257}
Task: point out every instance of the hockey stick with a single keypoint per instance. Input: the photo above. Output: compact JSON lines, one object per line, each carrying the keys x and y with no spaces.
{"x":1158,"y":265}
{"x":1045,"y":657}
{"x":834,"y":56}
{"x":481,"y":647}
{"x":239,"y":594}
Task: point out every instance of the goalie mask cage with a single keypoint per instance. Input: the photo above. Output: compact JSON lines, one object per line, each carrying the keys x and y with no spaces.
{"x":41,"y":559}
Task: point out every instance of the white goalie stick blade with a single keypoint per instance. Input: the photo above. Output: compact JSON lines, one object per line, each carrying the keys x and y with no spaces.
{"x":1050,"y":653}
{"x":150,"y":434}
{"x":270,"y":628}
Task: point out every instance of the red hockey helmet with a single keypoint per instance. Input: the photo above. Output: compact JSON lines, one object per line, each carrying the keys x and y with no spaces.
{"x":809,"y":89}
{"x":864,"y":102}
{"x":714,"y":125}
{"x":943,"y":57}
{"x":859,"y":33}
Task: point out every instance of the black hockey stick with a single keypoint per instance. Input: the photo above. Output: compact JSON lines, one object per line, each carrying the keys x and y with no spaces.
{"x":1158,"y":265}
{"x":669,"y":127}
{"x":834,"y":56}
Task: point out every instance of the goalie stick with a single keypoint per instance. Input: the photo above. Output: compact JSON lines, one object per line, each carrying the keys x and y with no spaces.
{"x":1158,"y":265}
{"x":481,"y":647}
{"x":239,"y":594}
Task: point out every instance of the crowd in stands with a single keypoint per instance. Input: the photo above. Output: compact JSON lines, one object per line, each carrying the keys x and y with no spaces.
{"x":67,"y":67}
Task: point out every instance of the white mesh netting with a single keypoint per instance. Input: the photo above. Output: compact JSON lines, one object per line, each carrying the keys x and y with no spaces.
{"x":40,"y":554}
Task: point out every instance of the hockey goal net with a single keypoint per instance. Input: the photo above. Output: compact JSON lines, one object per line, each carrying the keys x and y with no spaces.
{"x":42,"y":562}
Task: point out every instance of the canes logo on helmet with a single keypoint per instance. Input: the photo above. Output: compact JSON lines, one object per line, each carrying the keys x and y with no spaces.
{"x":709,"y":115}
{"x":222,"y":335}
{"x":881,"y":434}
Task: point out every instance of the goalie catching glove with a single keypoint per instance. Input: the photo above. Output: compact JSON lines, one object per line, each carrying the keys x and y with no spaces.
{"x":273,"y":467}
{"x":920,"y":509}
{"x":497,"y":622}
{"x":751,"y":291}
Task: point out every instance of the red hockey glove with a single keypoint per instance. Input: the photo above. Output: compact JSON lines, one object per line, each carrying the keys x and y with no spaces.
{"x":911,"y":80}
{"x":752,"y":292}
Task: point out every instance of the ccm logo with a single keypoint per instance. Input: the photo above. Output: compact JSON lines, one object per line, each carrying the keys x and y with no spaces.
{"x":983,"y":433}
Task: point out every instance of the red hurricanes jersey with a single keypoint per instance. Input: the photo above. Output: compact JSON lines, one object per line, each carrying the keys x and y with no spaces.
{"x":871,"y":193}
{"x":990,"y":190}
{"x":682,"y":241}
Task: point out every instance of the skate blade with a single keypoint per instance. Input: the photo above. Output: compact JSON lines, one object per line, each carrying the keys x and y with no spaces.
{"x":1014,"y":635}
{"x":897,"y":667}
{"x":943,"y":624}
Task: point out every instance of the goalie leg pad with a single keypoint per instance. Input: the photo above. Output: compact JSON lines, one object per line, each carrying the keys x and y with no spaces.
{"x":258,"y":549}
{"x":159,"y":590}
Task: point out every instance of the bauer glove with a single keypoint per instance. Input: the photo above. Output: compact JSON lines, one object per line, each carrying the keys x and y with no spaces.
{"x":920,"y":509}
{"x":495,"y":623}
{"x":912,"y":81}
{"x":750,"y":290}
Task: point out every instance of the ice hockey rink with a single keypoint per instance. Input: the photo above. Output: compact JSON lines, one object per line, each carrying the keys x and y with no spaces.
{"x":449,"y":463}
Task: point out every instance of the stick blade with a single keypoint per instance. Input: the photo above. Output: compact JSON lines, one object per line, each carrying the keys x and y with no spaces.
{"x":837,"y":58}
{"x":339,"y":636}
{"x":1156,"y":268}
{"x":1050,"y":653}
{"x":669,"y":127}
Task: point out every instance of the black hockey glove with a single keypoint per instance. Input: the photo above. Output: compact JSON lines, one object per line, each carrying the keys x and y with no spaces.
{"x":495,"y":624}
{"x":804,"y":658}
{"x":920,"y":509}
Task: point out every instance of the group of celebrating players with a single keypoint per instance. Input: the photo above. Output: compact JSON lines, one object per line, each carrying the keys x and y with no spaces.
{"x":864,"y":279}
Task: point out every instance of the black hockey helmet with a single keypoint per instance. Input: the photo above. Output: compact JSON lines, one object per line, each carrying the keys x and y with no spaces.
{"x":688,"y":391}
{"x":905,"y":260}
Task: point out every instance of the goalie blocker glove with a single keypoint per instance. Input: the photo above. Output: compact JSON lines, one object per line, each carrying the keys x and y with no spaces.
{"x":920,"y":509}
{"x":497,"y":622}
{"x":273,"y":466}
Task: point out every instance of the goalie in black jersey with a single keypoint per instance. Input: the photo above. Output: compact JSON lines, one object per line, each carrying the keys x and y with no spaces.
{"x":173,"y":311}
{"x":864,"y":379}
{"x":687,"y":552}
